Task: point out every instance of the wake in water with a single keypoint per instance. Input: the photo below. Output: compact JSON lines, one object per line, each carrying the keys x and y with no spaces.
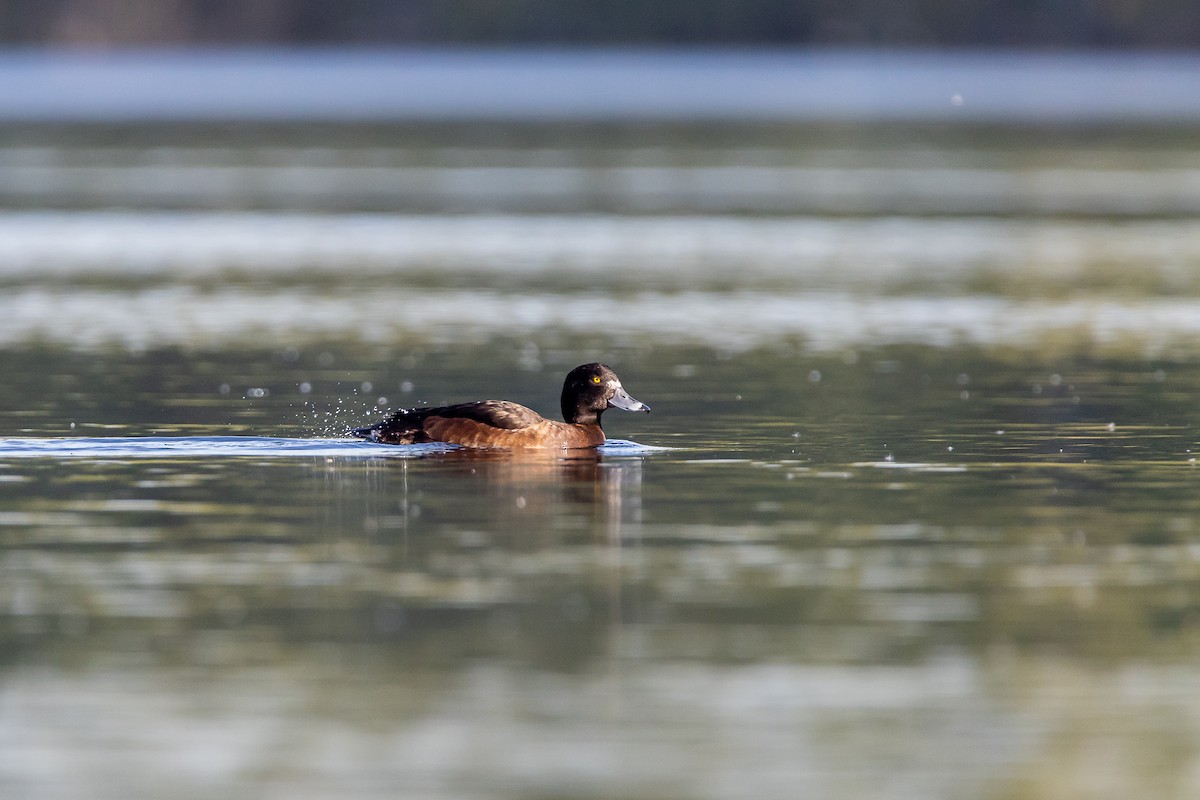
{"x":233,"y":446}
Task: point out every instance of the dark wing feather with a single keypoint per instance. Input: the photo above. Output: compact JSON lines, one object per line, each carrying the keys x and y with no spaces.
{"x":408,"y":426}
{"x":496,"y":413}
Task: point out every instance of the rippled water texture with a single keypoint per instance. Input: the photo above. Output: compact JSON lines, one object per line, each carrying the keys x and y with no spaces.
{"x":915,"y":514}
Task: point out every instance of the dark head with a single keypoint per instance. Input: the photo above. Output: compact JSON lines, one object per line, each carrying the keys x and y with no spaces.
{"x":592,"y":389}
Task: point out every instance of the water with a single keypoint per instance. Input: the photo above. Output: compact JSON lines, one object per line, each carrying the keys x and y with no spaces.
{"x":160,"y":447}
{"x":914,"y":514}
{"x":599,"y":84}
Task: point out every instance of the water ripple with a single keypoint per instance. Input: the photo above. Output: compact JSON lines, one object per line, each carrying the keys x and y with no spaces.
{"x":233,"y":446}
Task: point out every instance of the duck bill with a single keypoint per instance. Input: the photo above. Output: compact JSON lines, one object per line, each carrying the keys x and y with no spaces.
{"x":623,"y":401}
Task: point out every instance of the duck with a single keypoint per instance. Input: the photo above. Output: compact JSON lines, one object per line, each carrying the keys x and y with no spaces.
{"x":588,"y":391}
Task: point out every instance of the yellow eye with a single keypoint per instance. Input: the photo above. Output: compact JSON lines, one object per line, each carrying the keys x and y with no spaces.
{"x":596,"y":379}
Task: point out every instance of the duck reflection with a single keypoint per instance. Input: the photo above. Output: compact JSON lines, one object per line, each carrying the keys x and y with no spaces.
{"x":518,"y":496}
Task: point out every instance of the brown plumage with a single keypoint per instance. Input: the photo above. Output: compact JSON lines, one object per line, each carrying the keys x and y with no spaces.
{"x":588,"y":391}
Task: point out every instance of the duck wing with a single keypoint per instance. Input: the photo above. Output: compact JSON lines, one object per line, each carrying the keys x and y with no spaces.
{"x":495,"y":413}
{"x":429,"y":424}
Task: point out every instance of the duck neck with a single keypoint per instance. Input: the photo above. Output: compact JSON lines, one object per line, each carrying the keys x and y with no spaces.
{"x":580,"y":416}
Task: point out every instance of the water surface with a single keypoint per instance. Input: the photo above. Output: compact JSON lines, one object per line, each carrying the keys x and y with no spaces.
{"x":914,"y":514}
{"x":597,"y":83}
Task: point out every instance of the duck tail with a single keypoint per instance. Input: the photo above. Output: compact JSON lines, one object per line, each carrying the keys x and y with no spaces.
{"x":370,"y":433}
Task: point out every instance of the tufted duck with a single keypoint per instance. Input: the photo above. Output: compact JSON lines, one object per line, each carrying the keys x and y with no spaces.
{"x":588,"y":391}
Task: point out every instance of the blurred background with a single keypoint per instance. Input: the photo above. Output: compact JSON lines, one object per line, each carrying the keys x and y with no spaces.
{"x":863,"y":23}
{"x":913,"y":288}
